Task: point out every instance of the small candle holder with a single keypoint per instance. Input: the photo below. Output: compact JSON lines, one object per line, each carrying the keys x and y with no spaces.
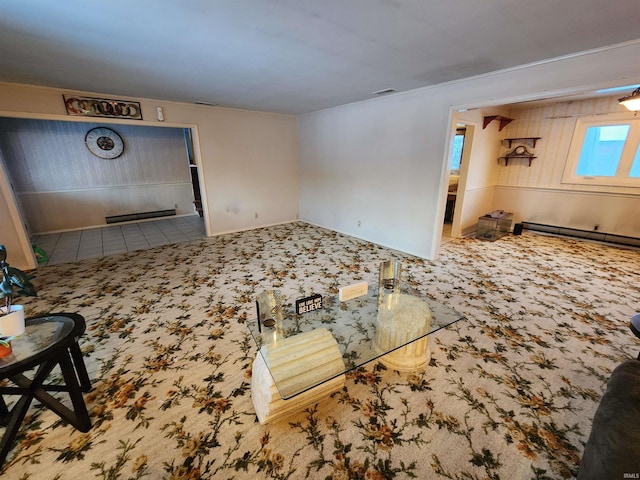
{"x":269,"y":309}
{"x":390,"y":277}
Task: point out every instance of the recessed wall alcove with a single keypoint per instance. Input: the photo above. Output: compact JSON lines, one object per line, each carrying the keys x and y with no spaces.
{"x":60,"y":185}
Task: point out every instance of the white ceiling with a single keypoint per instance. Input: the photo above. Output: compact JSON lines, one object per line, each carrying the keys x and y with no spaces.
{"x":291,"y":56}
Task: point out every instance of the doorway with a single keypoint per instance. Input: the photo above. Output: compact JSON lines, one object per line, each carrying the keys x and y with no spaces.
{"x":454,"y":172}
{"x":195,"y":177}
{"x":87,"y":189}
{"x":455,"y":161}
{"x":456,"y":212}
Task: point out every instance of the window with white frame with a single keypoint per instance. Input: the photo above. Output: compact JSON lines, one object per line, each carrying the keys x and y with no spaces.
{"x":604,"y":151}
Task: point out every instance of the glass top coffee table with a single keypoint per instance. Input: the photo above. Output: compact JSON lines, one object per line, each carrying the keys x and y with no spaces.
{"x":306,"y":350}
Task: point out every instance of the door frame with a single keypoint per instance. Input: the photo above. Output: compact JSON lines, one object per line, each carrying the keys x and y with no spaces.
{"x":16,"y":217}
{"x":470,"y":127}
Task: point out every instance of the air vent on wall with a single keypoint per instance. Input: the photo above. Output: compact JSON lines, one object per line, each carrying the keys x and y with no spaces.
{"x":384,"y":91}
{"x":206,"y":104}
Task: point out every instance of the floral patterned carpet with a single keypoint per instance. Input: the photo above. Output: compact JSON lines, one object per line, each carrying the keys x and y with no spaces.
{"x":509,"y":393}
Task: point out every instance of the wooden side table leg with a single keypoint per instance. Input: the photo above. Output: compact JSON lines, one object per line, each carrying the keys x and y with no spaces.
{"x":4,"y":411}
{"x":80,"y":368}
{"x":634,"y":325}
{"x":21,"y":407}
{"x":80,"y":419}
{"x":13,"y":426}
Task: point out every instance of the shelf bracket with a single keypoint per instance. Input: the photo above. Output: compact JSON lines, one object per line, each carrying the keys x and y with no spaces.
{"x":504,"y":121}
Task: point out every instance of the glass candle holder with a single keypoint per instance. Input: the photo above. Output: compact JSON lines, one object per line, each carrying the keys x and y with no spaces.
{"x":269,"y":306}
{"x":390,"y":277}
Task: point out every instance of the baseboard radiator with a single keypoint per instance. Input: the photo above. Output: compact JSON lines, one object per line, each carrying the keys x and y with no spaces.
{"x":587,"y":234}
{"x":140,"y":216}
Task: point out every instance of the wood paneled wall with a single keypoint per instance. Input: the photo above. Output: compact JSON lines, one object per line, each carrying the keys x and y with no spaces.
{"x":537,"y":194}
{"x":555,"y":124}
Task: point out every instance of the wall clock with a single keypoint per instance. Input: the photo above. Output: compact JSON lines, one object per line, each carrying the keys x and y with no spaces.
{"x":104,"y":143}
{"x":520,"y":150}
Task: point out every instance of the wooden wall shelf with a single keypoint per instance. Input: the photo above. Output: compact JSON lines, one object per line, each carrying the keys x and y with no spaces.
{"x":529,"y":140}
{"x":521,"y":150}
{"x":509,"y":157}
{"x":504,"y":121}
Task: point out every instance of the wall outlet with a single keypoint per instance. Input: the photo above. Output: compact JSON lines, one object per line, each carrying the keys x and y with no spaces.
{"x":352,"y":291}
{"x":359,"y":223}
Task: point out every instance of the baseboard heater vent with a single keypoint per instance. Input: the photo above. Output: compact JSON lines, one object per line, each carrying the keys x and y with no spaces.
{"x":140,"y":216}
{"x":588,"y":234}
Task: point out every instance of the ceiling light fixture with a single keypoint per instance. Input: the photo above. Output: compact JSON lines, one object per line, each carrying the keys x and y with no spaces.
{"x":631,"y":102}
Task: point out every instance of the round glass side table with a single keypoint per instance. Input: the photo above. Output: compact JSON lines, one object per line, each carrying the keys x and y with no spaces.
{"x":48,"y":342}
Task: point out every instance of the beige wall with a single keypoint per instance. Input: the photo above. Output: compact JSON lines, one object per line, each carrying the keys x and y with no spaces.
{"x":248,"y":161}
{"x":375,"y":169}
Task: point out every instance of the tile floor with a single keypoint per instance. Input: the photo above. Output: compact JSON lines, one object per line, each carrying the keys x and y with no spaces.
{"x":67,"y":247}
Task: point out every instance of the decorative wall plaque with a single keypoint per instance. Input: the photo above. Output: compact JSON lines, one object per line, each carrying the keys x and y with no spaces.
{"x":308,"y":304}
{"x":102,"y":107}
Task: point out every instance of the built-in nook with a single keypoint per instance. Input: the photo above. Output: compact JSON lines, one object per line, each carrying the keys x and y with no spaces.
{"x":60,"y":185}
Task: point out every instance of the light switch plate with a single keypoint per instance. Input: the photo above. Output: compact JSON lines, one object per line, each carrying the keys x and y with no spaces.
{"x":353,"y":291}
